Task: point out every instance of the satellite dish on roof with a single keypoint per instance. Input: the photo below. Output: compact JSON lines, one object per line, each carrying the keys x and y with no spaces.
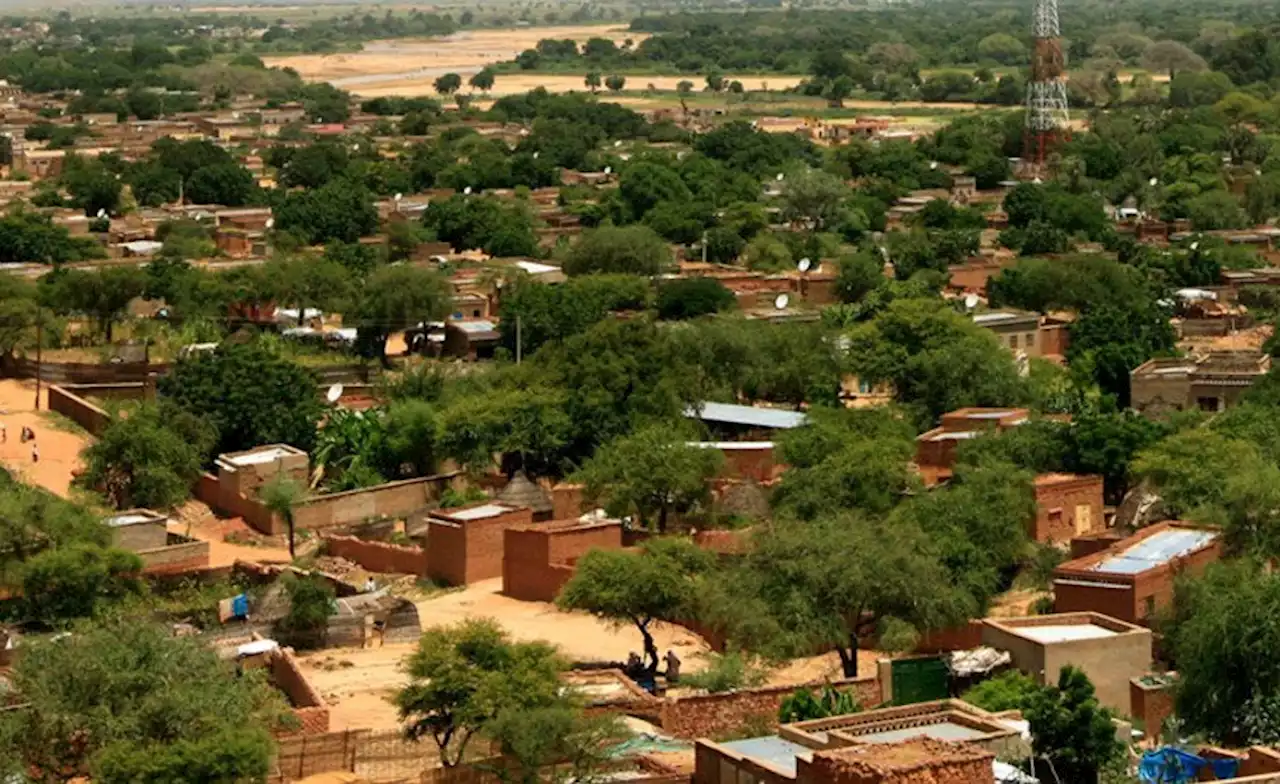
{"x":804,"y":264}
{"x":970,"y":301}
{"x":535,"y":156}
{"x":399,"y":196}
{"x":1154,"y":181}
{"x":618,"y":143}
{"x":781,"y":301}
{"x":933,"y":164}
{"x":1195,"y":245}
{"x":780,"y":176}
{"x":102,"y":213}
{"x":608,"y":170}
{"x":270,"y":222}
{"x":334,"y":393}
{"x":466,"y":191}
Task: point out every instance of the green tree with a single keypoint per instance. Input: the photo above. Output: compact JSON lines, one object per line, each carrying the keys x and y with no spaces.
{"x":659,"y":582}
{"x":103,"y":294}
{"x":1188,"y":469}
{"x":1226,"y":687}
{"x":413,"y":435}
{"x":633,"y":250}
{"x":812,"y":198}
{"x":448,"y":83}
{"x":150,"y":458}
{"x":529,"y":424}
{"x":73,"y":582}
{"x":1171,"y":57}
{"x":592,"y":80}
{"x":1003,"y":48}
{"x":828,"y":582}
{"x":249,"y":394}
{"x":93,"y":188}
{"x":1070,"y":729}
{"x":395,"y":298}
{"x":464,"y":677}
{"x":859,"y":274}
{"x":129,"y":702}
{"x":339,"y":211}
{"x":650,"y":474}
{"x":482,"y":80}
{"x":281,"y":497}
{"x":311,"y":602}
{"x":228,"y":184}
{"x":615,"y":82}
{"x":936,"y":359}
{"x":693,"y":297}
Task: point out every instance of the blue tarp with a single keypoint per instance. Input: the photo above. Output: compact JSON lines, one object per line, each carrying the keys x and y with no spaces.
{"x":240,"y":606}
{"x":1175,"y":766}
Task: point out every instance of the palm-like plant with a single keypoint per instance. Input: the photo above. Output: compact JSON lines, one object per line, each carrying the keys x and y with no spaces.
{"x":350,"y":449}
{"x":281,"y":495}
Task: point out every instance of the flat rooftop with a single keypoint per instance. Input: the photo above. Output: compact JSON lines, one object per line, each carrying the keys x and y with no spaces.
{"x":730,"y":446}
{"x":1156,"y":550}
{"x":478,"y":512}
{"x":772,"y":751}
{"x":260,"y":456}
{"x":133,"y":518}
{"x":996,"y":318}
{"x":1064,"y":632}
{"x":750,"y":416}
{"x":943,"y":730}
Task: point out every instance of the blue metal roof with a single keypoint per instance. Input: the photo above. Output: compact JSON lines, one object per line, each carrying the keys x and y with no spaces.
{"x":1155,"y":550}
{"x":750,"y":416}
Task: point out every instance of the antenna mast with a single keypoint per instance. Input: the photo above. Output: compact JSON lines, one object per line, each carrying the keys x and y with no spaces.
{"x":1046,"y":91}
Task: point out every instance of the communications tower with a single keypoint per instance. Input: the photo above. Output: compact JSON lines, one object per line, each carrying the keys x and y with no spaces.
{"x":1046,"y":90}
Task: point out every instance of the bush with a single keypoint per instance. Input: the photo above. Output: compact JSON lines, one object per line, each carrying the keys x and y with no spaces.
{"x":803,"y":705}
{"x":692,"y":297}
{"x":72,"y":582}
{"x":727,"y":671}
{"x":310,"y":605}
{"x":1008,"y":691}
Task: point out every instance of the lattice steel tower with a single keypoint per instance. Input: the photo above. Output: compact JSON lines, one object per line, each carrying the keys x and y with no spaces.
{"x":1046,"y":91}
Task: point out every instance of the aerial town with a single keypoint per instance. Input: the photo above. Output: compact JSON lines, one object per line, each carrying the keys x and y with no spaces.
{"x":620,"y":392}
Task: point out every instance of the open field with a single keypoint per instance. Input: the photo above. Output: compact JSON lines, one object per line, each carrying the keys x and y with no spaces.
{"x":59,"y":444}
{"x":424,"y":59}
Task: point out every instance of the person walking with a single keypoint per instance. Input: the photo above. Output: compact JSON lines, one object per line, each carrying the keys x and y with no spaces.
{"x":35,"y":452}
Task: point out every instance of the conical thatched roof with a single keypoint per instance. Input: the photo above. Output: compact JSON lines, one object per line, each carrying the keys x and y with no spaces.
{"x":520,"y":491}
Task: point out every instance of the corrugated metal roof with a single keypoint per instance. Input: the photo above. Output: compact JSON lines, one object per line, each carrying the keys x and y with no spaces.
{"x":1155,"y":550}
{"x":771,"y":750}
{"x":774,"y":418}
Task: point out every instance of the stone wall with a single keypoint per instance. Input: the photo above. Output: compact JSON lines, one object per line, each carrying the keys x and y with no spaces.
{"x":377,"y":556}
{"x":716,"y":715}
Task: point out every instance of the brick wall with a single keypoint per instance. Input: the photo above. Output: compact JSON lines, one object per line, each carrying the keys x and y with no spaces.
{"x":713,"y":715}
{"x":1067,"y":506}
{"x":308,"y":706}
{"x":537,"y":561}
{"x":754,"y":464}
{"x":140,"y":536}
{"x":915,"y":761}
{"x":465,"y":551}
{"x":377,"y":556}
{"x":566,"y":501}
{"x":1133,"y":598}
{"x":187,"y":555}
{"x":1260,"y":761}
{"x":1151,"y":703}
{"x":85,"y":414}
{"x":957,"y":638}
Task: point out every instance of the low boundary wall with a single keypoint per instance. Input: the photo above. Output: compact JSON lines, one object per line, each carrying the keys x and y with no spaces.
{"x":377,"y":556}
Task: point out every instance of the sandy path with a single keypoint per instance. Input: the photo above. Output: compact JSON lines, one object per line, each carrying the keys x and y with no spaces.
{"x":59,"y":448}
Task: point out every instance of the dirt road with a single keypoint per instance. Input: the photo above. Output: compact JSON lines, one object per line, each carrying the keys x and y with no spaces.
{"x":59,"y":445}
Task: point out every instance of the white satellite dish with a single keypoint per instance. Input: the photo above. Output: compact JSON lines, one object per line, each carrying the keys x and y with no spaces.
{"x":1195,"y":246}
{"x":399,"y":196}
{"x":102,"y":213}
{"x":933,"y":164}
{"x":334,"y":393}
{"x":1036,"y":181}
{"x":804,"y":264}
{"x":970,"y":301}
{"x":535,"y":156}
{"x":1154,"y":181}
{"x":466,"y":191}
{"x":618,"y":143}
{"x":781,"y":301}
{"x":271,"y":222}
{"x":355,"y":147}
{"x":608,"y":170}
{"x":780,"y":176}
{"x":884,"y":252}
